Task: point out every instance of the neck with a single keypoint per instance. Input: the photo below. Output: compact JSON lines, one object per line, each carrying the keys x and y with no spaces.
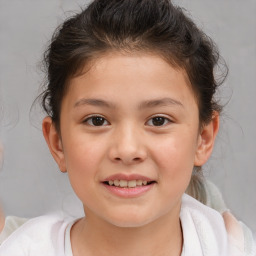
{"x":97,"y":238}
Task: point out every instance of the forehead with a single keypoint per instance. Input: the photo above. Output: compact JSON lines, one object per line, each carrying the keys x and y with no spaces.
{"x":144,"y":75}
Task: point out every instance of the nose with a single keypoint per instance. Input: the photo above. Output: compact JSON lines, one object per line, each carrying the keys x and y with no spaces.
{"x":128,"y":146}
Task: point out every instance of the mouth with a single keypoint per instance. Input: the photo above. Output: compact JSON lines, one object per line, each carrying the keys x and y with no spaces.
{"x":128,"y":186}
{"x":128,"y":183}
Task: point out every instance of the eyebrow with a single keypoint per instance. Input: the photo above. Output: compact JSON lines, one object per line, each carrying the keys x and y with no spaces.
{"x":160,"y":102}
{"x":94,"y":102}
{"x":145,"y":104}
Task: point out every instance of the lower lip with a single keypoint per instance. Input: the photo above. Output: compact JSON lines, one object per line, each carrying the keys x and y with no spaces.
{"x":129,"y":192}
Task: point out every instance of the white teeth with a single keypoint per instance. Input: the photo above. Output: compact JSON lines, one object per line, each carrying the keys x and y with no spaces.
{"x":116,"y":183}
{"x":123,"y":183}
{"x":139,"y":182}
{"x":127,"y":184}
{"x":132,"y":184}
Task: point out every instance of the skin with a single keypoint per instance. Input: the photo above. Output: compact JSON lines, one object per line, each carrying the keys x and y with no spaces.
{"x":129,"y":91}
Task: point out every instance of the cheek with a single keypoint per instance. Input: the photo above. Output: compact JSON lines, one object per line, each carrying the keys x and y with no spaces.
{"x":83,"y":156}
{"x":83,"y":165}
{"x":177,"y":149}
{"x":175,"y":157}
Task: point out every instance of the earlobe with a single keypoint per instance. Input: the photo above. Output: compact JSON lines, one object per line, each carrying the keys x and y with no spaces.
{"x":206,"y":140}
{"x":54,"y":142}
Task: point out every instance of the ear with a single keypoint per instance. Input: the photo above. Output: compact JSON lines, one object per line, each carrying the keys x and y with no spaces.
{"x":206,"y":140}
{"x":54,"y":142}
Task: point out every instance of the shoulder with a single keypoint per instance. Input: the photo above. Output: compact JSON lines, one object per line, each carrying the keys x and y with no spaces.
{"x":38,"y":236}
{"x":214,"y":232}
{"x":241,"y":238}
{"x":203,"y":228}
{"x":199,"y":212}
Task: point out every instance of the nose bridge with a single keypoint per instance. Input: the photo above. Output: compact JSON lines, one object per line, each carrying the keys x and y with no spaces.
{"x":128,"y":145}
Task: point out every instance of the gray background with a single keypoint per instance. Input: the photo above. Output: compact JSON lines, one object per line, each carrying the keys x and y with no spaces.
{"x":30,"y":183}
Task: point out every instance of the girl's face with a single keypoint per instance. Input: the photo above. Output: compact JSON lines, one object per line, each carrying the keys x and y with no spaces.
{"x":129,"y":139}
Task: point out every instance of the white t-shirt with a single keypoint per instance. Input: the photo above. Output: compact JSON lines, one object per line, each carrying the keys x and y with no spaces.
{"x":204,"y":234}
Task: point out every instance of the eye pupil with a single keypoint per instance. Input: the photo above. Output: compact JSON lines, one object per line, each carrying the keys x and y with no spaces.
{"x":98,"y":121}
{"x":158,"y":121}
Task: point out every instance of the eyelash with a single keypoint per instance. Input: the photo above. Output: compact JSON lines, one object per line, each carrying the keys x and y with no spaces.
{"x":103,"y":122}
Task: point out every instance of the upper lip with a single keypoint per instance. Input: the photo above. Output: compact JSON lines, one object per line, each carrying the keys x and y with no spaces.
{"x":128,"y":177}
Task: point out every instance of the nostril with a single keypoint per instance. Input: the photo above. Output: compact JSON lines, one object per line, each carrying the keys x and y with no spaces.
{"x":135,"y":159}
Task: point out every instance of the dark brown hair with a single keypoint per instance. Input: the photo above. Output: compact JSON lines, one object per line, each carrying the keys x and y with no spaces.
{"x":130,"y":26}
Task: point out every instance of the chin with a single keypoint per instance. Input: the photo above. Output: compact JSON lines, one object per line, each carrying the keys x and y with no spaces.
{"x":130,"y":224}
{"x":130,"y":220}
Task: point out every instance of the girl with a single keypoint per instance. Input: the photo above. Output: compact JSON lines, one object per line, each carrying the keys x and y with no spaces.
{"x":131,"y":119}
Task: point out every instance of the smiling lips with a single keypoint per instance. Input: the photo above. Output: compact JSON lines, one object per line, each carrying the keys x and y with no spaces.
{"x":128,"y":186}
{"x":128,"y":183}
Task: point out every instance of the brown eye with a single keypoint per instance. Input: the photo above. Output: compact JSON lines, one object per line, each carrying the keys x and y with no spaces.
{"x":96,"y":121}
{"x":158,"y":121}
